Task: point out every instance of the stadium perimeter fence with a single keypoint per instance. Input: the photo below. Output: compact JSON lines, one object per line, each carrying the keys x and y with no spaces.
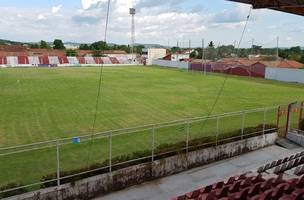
{"x":52,"y":163}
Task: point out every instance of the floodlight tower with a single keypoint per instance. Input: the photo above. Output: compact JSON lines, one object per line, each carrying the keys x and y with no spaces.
{"x":132,"y":13}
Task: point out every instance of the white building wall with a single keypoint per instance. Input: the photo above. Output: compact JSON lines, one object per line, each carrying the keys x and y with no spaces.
{"x":178,"y":57}
{"x":173,"y":64}
{"x":154,"y":54}
{"x":286,"y":75}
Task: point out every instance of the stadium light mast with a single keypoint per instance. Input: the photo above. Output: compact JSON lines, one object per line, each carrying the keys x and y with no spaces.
{"x":132,"y":13}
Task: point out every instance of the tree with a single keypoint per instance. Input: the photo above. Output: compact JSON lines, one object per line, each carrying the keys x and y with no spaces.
{"x":97,"y":53}
{"x":211,"y":44}
{"x":34,"y":46}
{"x":58,"y":44}
{"x":44,"y":45}
{"x":138,"y":49}
{"x":84,"y":47}
{"x":175,"y":49}
{"x":194,"y":54}
{"x":71,"y":52}
{"x":99,"y":46}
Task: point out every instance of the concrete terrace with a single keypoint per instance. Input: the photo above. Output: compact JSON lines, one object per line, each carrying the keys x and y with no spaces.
{"x":173,"y":186}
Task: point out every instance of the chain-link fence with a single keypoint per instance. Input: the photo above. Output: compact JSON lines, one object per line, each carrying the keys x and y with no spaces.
{"x":52,"y":163}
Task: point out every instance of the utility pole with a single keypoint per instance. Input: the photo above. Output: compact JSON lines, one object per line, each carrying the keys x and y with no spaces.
{"x":168,"y":44}
{"x":203,"y":56}
{"x":278,"y":41}
{"x":252,"y":43}
{"x":132,"y":13}
{"x":177,"y":50}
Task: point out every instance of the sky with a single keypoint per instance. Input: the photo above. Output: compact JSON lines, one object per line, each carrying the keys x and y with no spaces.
{"x":157,"y":22}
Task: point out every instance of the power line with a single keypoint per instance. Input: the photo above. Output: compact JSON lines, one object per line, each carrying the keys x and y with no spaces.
{"x":100,"y":81}
{"x":226,"y":76}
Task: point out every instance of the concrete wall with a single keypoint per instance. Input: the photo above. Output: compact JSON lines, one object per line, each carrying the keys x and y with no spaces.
{"x":120,"y":179}
{"x":174,"y":64}
{"x":154,"y":54}
{"x":287,"y":75}
{"x":296,"y":138}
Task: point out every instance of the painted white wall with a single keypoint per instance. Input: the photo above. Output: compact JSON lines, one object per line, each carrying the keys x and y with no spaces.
{"x":177,"y":57}
{"x":286,"y":75}
{"x":173,"y":64}
{"x":154,"y":54}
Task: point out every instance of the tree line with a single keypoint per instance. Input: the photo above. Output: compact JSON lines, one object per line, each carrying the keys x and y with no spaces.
{"x":97,"y":47}
{"x":214,"y":53}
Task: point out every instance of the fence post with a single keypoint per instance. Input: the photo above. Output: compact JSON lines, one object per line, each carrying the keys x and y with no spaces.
{"x":110,"y":153}
{"x":187,"y":137}
{"x":153,"y":142}
{"x":264,"y":121}
{"x":217,"y":130}
{"x":58,"y":162}
{"x":278,"y":118}
{"x":300,"y":114}
{"x":289,"y":115}
{"x":243,"y":124}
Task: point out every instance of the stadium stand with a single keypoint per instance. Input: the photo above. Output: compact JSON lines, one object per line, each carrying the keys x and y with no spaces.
{"x":81,"y":60}
{"x":34,"y":60}
{"x":23,"y":60}
{"x":44,"y":60}
{"x":280,"y":179}
{"x":73,"y":60}
{"x":106,"y":60}
{"x":53,"y":60}
{"x":3,"y":60}
{"x":12,"y":60}
{"x":114,"y":60}
{"x":63,"y":60}
{"x":98,"y":60}
{"x":89,"y":60}
{"x":123,"y":60}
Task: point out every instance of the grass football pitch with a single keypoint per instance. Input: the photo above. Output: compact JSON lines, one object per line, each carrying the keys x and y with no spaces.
{"x":45,"y":104}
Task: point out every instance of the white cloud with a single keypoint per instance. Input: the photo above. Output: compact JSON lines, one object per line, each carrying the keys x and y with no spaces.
{"x":56,"y":9}
{"x":156,"y":22}
{"x":86,"y":4}
{"x":41,"y":17}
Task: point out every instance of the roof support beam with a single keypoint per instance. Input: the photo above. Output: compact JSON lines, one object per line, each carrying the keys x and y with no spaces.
{"x":290,"y":6}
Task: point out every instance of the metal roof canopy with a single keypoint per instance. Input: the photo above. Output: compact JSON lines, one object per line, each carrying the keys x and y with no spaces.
{"x":289,"y":6}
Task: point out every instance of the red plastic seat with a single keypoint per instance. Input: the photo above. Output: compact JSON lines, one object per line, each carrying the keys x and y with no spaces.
{"x":23,"y":60}
{"x":3,"y":60}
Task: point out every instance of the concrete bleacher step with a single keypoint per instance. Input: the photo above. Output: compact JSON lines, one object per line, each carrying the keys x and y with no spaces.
{"x":287,"y":144}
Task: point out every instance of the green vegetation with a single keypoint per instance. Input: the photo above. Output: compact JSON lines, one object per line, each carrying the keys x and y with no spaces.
{"x":44,"y":104}
{"x":101,"y":46}
{"x":213,"y":53}
{"x":58,"y":44}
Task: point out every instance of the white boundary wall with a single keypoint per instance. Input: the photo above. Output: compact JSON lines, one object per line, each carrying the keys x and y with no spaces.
{"x":286,"y":75}
{"x":174,"y":64}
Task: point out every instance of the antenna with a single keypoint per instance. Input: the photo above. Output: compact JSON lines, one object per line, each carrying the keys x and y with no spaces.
{"x":132,"y":13}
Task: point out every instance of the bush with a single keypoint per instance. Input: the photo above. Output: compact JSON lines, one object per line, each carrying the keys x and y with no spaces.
{"x":12,"y":193}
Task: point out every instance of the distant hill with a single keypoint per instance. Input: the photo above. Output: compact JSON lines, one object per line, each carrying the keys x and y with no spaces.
{"x":2,"y":41}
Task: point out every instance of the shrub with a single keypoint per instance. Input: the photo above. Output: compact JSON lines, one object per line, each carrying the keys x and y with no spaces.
{"x":12,"y":193}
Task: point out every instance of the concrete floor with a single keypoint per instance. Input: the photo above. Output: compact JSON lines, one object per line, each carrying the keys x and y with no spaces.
{"x":173,"y":186}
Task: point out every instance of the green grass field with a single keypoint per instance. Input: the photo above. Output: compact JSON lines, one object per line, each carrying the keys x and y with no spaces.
{"x":44,"y":104}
